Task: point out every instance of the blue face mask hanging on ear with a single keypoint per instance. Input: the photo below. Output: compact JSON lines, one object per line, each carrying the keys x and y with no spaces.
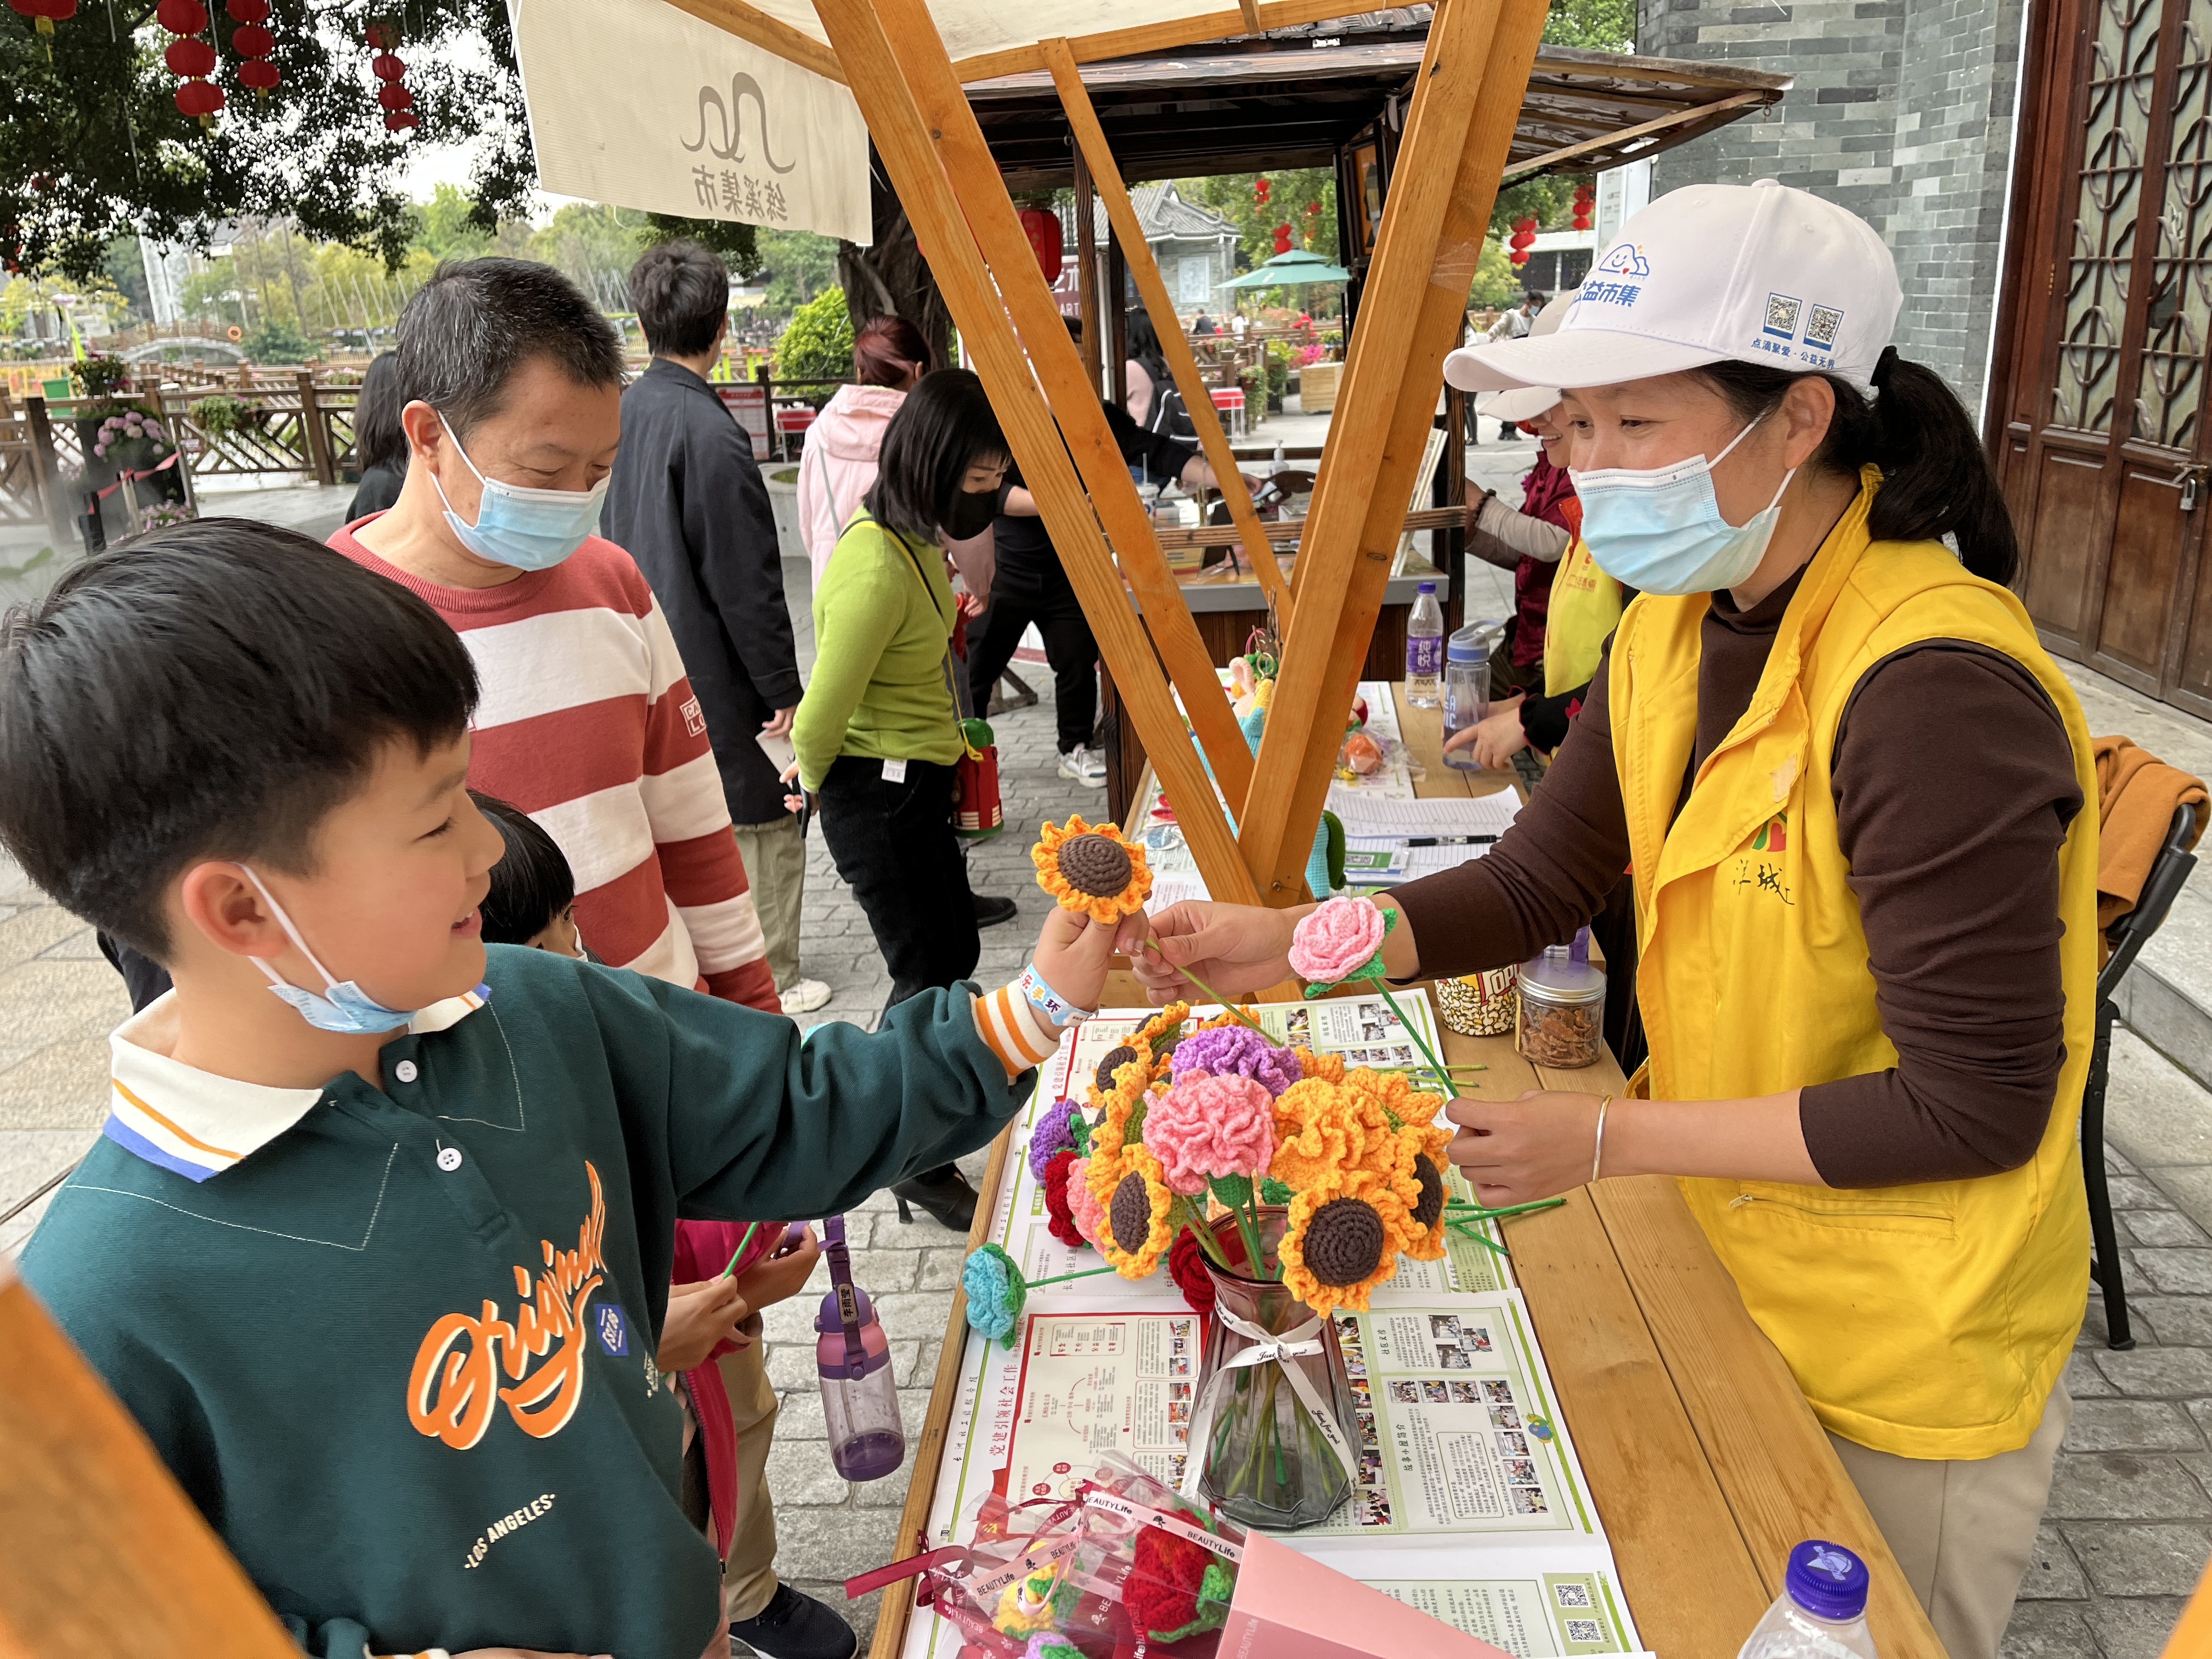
{"x":346,"y":1007}
{"x":528,"y":529}
{"x":1660,"y":530}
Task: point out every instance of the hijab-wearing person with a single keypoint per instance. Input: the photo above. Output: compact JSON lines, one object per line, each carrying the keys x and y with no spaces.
{"x":1868,"y":941}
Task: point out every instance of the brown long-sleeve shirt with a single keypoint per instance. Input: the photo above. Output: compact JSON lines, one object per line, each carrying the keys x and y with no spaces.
{"x":1955,"y":784}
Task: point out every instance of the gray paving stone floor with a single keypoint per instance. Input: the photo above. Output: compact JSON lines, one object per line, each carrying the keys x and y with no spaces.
{"x":2129,"y":1525}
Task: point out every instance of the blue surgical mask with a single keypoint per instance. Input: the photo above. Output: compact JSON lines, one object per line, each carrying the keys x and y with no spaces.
{"x":529,"y":529}
{"x":343,"y":1007}
{"x":1660,"y":530}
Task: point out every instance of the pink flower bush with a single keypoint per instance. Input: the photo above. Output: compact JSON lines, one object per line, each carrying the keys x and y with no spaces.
{"x":1211,"y":1126}
{"x":1337,"y":940}
{"x":1088,"y":1214}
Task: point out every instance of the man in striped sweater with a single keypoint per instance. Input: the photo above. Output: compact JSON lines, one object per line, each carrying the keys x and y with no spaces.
{"x":513,"y":383}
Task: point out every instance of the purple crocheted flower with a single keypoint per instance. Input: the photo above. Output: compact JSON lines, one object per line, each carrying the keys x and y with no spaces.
{"x":1238,"y":1051}
{"x":1051,"y":1136}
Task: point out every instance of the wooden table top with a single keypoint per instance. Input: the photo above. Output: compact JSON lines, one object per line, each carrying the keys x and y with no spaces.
{"x":1706,"y":1462}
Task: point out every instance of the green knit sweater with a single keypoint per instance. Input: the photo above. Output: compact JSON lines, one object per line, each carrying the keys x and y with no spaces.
{"x":883,"y":615}
{"x":401,"y":1354}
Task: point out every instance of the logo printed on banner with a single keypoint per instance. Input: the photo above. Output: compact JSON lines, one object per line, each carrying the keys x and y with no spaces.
{"x":1782,"y":312}
{"x":731,"y":119}
{"x":1626,"y":260}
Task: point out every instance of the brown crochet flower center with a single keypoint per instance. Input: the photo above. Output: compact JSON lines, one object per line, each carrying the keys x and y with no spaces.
{"x":1432,"y":1190}
{"x":1097,"y":865}
{"x":1115,"y":1060}
{"x":1131,"y":1214}
{"x":1343,"y":1240}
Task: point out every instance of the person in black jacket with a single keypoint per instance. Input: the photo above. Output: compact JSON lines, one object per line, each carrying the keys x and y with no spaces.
{"x":687,"y":502}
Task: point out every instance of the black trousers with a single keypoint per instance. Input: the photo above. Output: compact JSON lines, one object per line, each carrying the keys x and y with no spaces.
{"x":893,"y":844}
{"x":1030,"y":590}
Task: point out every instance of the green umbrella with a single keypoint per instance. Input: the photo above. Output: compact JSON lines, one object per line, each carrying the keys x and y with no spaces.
{"x":1291,"y":270}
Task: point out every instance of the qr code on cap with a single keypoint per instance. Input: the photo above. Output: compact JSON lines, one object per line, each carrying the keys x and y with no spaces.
{"x":1572,"y":1596}
{"x":1782,"y":315}
{"x":1584,"y":1629}
{"x":1822,"y":326}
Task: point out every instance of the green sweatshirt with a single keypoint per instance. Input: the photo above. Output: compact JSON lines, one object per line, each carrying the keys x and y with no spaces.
{"x":397,"y":1346}
{"x":883,"y":614}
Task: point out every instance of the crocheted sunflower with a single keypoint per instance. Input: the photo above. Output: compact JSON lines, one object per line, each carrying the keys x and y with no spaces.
{"x":1138,"y":1227}
{"x":1092,"y":870}
{"x":1344,"y":1235}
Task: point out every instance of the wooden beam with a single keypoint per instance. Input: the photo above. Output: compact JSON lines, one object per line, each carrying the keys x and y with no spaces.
{"x":1097,"y":159}
{"x":105,"y":1553}
{"x":1155,"y":37}
{"x":1626,"y":134}
{"x":870,"y":37}
{"x":1466,"y":101}
{"x":770,"y":33}
{"x":1250,"y":8}
{"x":1087,"y":276}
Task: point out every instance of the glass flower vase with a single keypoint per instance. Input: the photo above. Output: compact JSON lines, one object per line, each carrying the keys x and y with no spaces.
{"x":1266,"y":1464}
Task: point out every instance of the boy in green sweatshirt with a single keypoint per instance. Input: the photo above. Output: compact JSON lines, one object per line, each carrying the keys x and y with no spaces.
{"x":376,"y":1242}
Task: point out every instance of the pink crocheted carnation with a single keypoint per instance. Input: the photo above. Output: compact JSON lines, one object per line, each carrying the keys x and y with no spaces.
{"x":1088,"y":1215}
{"x":1211,"y":1126}
{"x":1337,"y":940}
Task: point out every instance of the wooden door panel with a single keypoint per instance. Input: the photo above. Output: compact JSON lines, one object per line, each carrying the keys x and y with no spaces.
{"x":2140,"y":576}
{"x":2069,"y":518}
{"x":2193,"y":675}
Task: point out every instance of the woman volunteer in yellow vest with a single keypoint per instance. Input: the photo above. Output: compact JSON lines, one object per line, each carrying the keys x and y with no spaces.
{"x":1868,"y":952}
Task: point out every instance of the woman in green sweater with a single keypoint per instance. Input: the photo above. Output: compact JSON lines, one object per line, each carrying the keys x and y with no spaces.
{"x":876,"y":733}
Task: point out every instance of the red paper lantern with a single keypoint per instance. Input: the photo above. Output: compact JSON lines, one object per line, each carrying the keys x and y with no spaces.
{"x":45,"y":14}
{"x":386,"y":67}
{"x":1261,"y":189}
{"x":200,"y":97}
{"x":189,"y":56}
{"x":252,"y":40}
{"x":247,"y":11}
{"x":1042,"y":226}
{"x":395,"y":98}
{"x":380,"y":36}
{"x":1282,"y":238}
{"x":258,"y":74}
{"x":400,"y":120}
{"x":181,"y":16}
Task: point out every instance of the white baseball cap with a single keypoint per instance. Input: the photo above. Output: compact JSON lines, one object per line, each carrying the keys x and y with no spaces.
{"x":1756,"y":273}
{"x":1525,"y":403}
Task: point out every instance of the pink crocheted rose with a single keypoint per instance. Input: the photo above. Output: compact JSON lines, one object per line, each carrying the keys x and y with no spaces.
{"x":1211,"y":1126}
{"x":1338,"y":940}
{"x":1088,"y":1214}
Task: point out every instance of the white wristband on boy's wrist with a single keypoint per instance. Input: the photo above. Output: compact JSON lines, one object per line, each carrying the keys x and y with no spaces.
{"x":1055,"y":1007}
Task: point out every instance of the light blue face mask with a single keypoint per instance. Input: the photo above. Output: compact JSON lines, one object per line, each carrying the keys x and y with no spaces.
{"x":346,"y":1007}
{"x":529,"y":529}
{"x":1660,"y":530}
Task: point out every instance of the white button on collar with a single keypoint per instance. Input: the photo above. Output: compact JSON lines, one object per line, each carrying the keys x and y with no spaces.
{"x":449,"y":1158}
{"x":406,"y":1071}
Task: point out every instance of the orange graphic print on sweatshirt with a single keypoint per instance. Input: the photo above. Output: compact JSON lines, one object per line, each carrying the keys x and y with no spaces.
{"x":455,"y":1381}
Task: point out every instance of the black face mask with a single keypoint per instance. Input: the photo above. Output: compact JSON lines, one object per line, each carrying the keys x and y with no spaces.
{"x":972,"y":514}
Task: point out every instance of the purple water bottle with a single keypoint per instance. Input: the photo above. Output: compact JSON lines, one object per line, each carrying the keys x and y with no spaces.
{"x":859,"y":1396}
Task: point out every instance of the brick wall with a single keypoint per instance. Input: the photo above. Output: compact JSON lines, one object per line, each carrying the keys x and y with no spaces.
{"x":1902,"y":112}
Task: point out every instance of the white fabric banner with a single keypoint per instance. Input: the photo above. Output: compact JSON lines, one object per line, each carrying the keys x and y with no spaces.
{"x":637,"y":103}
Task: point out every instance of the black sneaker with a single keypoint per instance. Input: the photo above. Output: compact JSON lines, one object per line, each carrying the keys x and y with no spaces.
{"x":990,"y":911}
{"x":945,"y":1196}
{"x":795,"y":1627}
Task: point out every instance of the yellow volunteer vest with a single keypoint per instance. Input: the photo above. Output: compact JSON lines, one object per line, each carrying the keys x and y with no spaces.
{"x":1585,"y":607}
{"x":1928,"y":1320}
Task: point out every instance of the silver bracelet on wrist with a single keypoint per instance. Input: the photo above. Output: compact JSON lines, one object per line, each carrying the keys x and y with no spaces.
{"x":1597,"y":1152}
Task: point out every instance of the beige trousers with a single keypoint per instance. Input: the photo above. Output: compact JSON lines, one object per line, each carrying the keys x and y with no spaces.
{"x":775,"y":864}
{"x":748,"y":1571}
{"x":1963,"y":1531}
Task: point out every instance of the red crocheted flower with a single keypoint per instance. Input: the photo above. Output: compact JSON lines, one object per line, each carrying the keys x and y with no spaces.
{"x":1161,"y":1594}
{"x":1062,"y":1220}
{"x":1187,"y":1267}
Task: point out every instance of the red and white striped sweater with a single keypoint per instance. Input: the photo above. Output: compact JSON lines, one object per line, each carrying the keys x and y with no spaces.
{"x":588,"y":723}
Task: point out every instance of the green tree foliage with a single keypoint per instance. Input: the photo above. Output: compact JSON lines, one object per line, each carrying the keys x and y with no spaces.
{"x":1594,"y":25}
{"x":738,"y":243}
{"x":817,"y":341}
{"x":798,"y":265}
{"x":277,"y":341}
{"x":1304,"y":198}
{"x":93,"y":146}
{"x":1496,"y":283}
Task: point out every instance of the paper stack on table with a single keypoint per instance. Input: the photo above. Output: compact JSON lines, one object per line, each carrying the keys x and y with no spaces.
{"x":1437,"y":834}
{"x":1472,"y":1503}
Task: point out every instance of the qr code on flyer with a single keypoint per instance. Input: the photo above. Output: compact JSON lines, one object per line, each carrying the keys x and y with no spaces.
{"x":1584,"y":1629}
{"x":1572,"y":1596}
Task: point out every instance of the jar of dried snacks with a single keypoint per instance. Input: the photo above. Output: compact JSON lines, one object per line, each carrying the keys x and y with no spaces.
{"x":1562,"y":1022}
{"x":1479,"y":1005}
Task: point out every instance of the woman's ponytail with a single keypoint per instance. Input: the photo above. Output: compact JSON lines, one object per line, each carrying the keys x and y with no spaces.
{"x":1936,"y":477}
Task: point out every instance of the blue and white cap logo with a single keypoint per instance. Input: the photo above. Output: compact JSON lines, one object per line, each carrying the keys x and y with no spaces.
{"x":1626,"y":259}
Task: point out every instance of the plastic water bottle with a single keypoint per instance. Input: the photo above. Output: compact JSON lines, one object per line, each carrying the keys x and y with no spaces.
{"x":852,"y":1357}
{"x":1467,"y":685}
{"x":1821,"y":1612}
{"x":1424,"y":649}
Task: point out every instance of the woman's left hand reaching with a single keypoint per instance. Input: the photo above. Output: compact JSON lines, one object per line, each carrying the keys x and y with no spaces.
{"x":1512,"y":1151}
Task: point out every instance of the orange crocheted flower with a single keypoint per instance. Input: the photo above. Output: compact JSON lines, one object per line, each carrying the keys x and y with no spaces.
{"x":1329,"y":1068}
{"x":1137,"y":1207}
{"x":1092,"y":870}
{"x":1344,"y":1238}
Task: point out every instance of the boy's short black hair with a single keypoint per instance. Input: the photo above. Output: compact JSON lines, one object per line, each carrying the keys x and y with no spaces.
{"x":475,"y":321}
{"x":210,"y":691}
{"x":681,"y":293}
{"x":945,"y":426}
{"x":530,"y":884}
